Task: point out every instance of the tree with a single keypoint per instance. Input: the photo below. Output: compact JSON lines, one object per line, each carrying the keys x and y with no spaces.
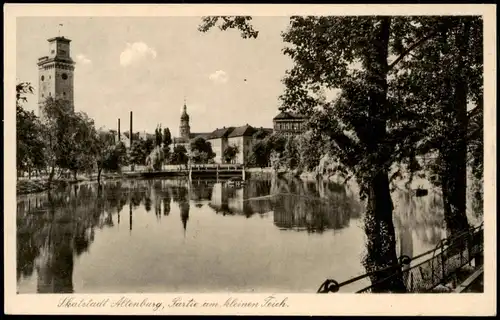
{"x":139,"y":152}
{"x":167,"y":141}
{"x":230,"y":153}
{"x":110,"y":155}
{"x":444,"y":76}
{"x":158,"y":136}
{"x":29,"y":135}
{"x":360,"y":121}
{"x":79,"y":146}
{"x":200,"y":150}
{"x":57,"y":121}
{"x":259,"y":156}
{"x":310,"y":149}
{"x":260,"y":134}
{"x":156,"y":158}
{"x":179,"y":155}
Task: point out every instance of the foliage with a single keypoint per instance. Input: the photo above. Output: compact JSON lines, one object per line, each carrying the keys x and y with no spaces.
{"x":140,"y":150}
{"x":224,"y":23}
{"x":110,"y":155}
{"x":167,"y":141}
{"x":260,"y":134}
{"x":29,"y":134}
{"x":179,"y":155}
{"x":230,"y":153}
{"x":156,"y":158}
{"x":158,"y":136}
{"x":310,"y":149}
{"x":78,"y":147}
{"x":260,"y":154}
{"x":167,"y":137}
{"x":200,"y":150}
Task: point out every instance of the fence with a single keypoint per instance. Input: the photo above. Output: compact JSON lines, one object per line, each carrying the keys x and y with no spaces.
{"x":438,"y":265}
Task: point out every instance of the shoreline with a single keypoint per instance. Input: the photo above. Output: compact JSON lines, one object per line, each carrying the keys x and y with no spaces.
{"x":37,"y":185}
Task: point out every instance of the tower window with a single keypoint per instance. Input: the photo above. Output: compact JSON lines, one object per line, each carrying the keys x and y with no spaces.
{"x":42,"y":78}
{"x":50,"y":94}
{"x":42,"y":95}
{"x":64,"y":76}
{"x":52,"y":52}
{"x":64,"y":93}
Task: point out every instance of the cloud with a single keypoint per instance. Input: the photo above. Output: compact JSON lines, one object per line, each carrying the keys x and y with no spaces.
{"x":135,"y":52}
{"x":219,"y":76}
{"x":83,"y":59}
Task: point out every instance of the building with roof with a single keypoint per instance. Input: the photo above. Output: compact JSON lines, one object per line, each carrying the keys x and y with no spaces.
{"x":218,"y":140}
{"x":289,"y":123}
{"x":242,"y":138}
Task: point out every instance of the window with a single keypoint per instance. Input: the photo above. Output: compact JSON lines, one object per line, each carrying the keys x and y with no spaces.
{"x":52,"y":51}
{"x":64,"y":93}
{"x":64,"y":76}
{"x":42,"y":78}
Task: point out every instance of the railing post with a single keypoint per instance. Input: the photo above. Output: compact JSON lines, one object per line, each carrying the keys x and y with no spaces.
{"x":442,"y":262}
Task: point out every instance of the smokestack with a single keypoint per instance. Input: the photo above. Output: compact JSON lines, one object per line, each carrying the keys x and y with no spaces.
{"x":119,"y":133}
{"x":131,"y":138}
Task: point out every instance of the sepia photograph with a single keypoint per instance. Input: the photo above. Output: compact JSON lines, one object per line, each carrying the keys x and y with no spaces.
{"x":249,"y":154}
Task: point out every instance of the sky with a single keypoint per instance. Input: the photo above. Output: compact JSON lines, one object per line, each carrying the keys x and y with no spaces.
{"x":150,"y":65}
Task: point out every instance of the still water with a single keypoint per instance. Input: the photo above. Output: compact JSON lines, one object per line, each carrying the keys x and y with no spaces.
{"x":137,"y":236}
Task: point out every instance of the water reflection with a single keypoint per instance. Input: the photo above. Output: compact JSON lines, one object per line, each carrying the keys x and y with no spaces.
{"x":54,"y":230}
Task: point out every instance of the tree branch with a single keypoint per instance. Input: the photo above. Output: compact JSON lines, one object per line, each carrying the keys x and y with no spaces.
{"x":410,"y":48}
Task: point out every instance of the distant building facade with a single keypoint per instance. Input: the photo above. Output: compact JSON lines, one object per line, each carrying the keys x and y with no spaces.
{"x":218,"y":140}
{"x":55,"y":75}
{"x":289,"y":123}
{"x":242,"y":138}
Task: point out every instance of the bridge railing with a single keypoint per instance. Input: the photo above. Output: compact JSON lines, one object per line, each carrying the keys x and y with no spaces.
{"x":425,"y":271}
{"x":202,"y":167}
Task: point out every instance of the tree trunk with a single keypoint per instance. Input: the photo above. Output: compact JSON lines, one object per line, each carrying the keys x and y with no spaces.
{"x":454,"y":153}
{"x":99,"y":170}
{"x":381,"y":237}
{"x":51,"y":176}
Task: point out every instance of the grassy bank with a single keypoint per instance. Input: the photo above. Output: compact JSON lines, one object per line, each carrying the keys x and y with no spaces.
{"x":35,"y":185}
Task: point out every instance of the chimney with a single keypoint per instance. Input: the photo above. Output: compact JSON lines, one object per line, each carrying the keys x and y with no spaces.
{"x":119,"y":133}
{"x":131,"y":138}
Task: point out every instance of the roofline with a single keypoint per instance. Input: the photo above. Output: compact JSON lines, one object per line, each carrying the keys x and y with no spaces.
{"x":42,"y":61}
{"x":60,"y":39}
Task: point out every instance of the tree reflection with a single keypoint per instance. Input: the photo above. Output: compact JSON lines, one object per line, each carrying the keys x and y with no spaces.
{"x":53,"y":228}
{"x":312,"y":206}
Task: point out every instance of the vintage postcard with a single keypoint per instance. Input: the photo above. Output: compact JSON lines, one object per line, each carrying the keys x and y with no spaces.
{"x":250,"y":159}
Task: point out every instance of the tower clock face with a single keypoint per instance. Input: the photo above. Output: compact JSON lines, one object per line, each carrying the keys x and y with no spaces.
{"x":64,"y":76}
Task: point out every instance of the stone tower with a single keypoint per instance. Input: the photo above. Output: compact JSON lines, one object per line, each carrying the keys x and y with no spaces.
{"x":184,"y":130}
{"x":55,"y":74}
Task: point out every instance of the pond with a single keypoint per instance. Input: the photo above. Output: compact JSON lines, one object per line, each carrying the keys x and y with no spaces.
{"x":164,"y":235}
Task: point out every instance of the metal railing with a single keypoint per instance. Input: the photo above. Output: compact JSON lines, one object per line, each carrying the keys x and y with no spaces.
{"x":438,"y":265}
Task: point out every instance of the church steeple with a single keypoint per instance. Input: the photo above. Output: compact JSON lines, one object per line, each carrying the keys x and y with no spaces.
{"x":184,"y":129}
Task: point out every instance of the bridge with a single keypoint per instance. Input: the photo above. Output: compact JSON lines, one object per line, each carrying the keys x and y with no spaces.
{"x":193,"y":171}
{"x":216,"y":171}
{"x":429,"y":270}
